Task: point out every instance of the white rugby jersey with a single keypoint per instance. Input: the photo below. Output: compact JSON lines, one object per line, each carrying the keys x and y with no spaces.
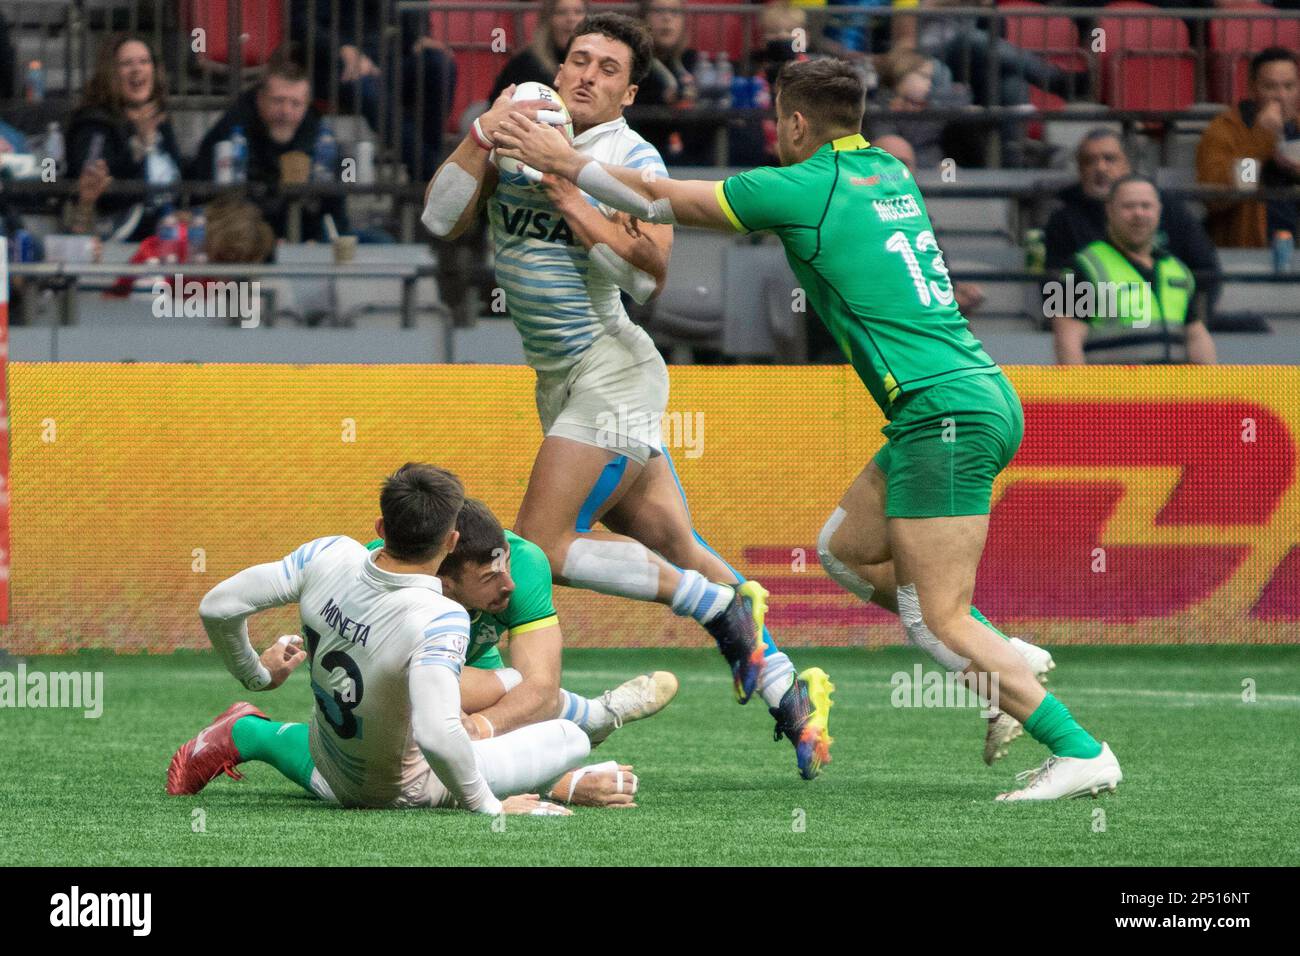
{"x":365,"y":629}
{"x":558,"y":303}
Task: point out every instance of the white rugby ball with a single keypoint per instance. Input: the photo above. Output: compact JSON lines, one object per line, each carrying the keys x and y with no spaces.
{"x":512,"y":170}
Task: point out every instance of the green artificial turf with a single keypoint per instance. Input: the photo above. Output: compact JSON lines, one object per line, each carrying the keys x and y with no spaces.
{"x":1208,"y":778}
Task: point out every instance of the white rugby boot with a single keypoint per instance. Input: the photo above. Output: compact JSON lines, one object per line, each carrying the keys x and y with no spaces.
{"x":1060,"y":778}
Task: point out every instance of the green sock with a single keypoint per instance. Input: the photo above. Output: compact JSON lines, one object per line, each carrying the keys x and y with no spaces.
{"x":976,"y":613}
{"x":283,"y":746}
{"x":1053,"y":727}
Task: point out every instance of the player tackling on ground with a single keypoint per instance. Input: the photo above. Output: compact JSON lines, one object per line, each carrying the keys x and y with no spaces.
{"x":386,"y":649}
{"x":857,"y":236}
{"x":504,"y":581}
{"x":562,"y":261}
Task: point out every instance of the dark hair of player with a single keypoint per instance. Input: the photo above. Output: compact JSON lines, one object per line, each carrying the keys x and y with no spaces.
{"x":481,"y":538}
{"x":828,"y":92}
{"x":1273,"y":54}
{"x":419,"y":504}
{"x":625,"y":30}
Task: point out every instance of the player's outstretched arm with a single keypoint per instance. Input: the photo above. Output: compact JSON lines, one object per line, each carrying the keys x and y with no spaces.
{"x":657,"y":199}
{"x":536,"y":654}
{"x":438,"y":732}
{"x":225,"y":611}
{"x":466,"y":179}
{"x":632,"y":256}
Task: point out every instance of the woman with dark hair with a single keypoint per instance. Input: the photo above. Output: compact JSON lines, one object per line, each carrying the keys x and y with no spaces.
{"x":671,"y":82}
{"x":539,"y":61}
{"x":121,"y":131}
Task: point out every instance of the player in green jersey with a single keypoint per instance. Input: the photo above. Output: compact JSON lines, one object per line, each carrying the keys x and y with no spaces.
{"x":909,"y":532}
{"x":504,"y":581}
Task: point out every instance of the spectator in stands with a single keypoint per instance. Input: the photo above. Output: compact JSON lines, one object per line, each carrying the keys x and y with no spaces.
{"x":671,"y":79}
{"x":420,"y":69}
{"x":784,"y":28}
{"x":908,"y":83}
{"x":1255,"y":142}
{"x":540,"y":60}
{"x":281,"y":127}
{"x":969,"y":295}
{"x":671,"y":82}
{"x":121,"y":131}
{"x":236,"y":233}
{"x":967,"y":47}
{"x":1127,"y":300}
{"x":854,"y":36}
{"x":1081,"y":218}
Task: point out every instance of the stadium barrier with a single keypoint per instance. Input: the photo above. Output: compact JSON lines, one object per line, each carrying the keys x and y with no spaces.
{"x":1146,"y":505}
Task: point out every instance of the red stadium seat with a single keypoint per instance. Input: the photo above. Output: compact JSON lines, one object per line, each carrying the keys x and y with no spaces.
{"x":471,"y":35}
{"x":1148,"y":63}
{"x":1056,"y":38}
{"x":261,"y":30}
{"x":714,"y":32}
{"x":1234,"y":41}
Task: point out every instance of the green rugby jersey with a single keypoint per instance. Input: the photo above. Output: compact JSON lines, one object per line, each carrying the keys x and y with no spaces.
{"x":858,"y":238}
{"x":530,"y":606}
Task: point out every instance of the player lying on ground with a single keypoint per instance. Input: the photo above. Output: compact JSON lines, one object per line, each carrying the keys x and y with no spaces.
{"x":561,"y":259}
{"x":504,"y":582}
{"x":386,"y":648}
{"x":857,"y":236}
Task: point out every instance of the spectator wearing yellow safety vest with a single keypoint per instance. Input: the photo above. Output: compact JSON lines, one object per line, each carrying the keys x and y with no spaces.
{"x":1126,"y":300}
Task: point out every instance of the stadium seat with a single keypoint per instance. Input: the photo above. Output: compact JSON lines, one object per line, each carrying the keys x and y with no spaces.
{"x":261,"y":31}
{"x":1233,"y":41}
{"x":714,"y":32}
{"x":470,"y":35}
{"x":1148,"y":63}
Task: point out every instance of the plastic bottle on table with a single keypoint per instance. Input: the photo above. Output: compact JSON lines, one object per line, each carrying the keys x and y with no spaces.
{"x":196,"y":241}
{"x":54,"y":145}
{"x":725,"y":75}
{"x":1035,"y":251}
{"x":238,"y":155}
{"x":706,"y":80}
{"x":325,"y":157}
{"x":1283,"y":250}
{"x":34,"y":84}
{"x":168,"y":232}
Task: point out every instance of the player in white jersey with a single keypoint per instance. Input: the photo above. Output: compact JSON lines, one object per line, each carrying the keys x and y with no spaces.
{"x":386,"y":648}
{"x":563,"y":260}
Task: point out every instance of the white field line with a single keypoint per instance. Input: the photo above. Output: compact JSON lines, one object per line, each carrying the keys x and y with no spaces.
{"x":1119,"y":694}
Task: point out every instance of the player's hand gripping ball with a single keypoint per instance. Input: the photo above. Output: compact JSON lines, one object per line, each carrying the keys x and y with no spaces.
{"x":515,"y":172}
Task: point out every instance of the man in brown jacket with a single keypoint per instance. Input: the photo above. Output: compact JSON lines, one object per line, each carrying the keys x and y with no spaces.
{"x":1248,"y":145}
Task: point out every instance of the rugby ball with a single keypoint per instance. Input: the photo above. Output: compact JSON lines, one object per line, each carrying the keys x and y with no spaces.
{"x":512,"y":170}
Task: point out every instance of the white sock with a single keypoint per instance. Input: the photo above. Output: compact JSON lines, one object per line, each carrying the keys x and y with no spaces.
{"x":529,"y":759}
{"x":700,"y":598}
{"x":778,"y":677}
{"x":622,"y":568}
{"x":589,"y":713}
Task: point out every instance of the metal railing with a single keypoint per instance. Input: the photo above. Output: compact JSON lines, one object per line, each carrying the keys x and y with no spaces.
{"x":205,"y":70}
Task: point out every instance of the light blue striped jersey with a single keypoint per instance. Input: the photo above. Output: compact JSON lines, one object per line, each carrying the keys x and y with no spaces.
{"x":558,"y":303}
{"x":365,"y":629}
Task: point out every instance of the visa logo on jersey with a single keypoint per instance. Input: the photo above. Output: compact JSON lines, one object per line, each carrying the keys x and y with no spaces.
{"x":528,"y":223}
